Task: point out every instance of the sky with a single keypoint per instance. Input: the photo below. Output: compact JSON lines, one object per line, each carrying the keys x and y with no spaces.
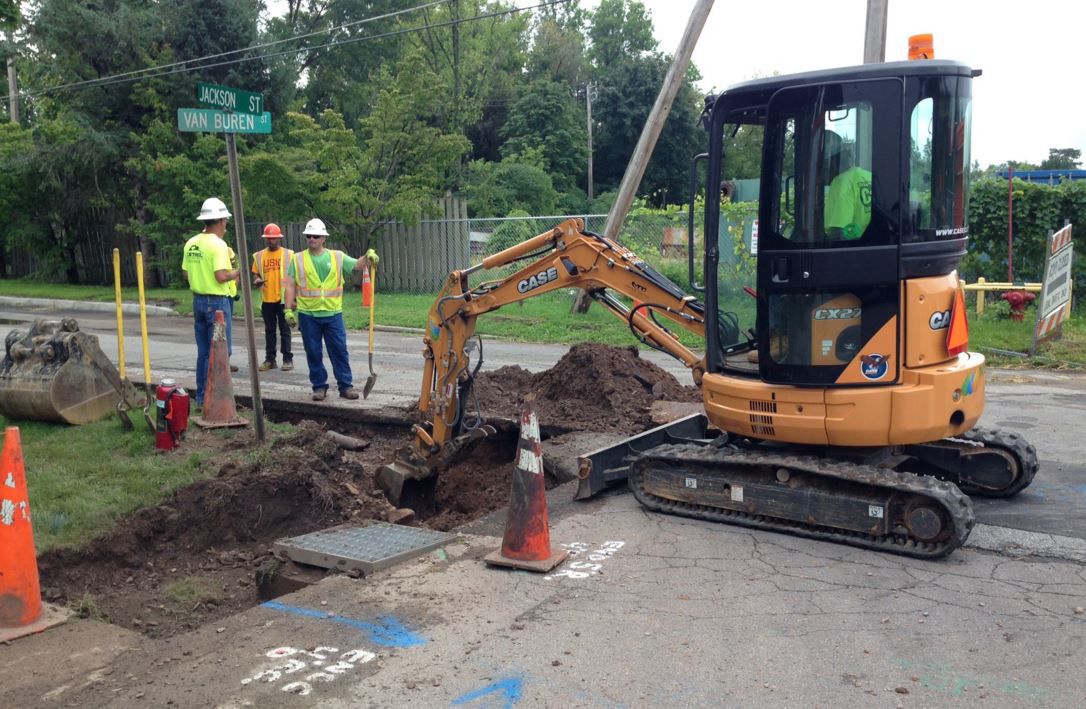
{"x":1026,"y":101}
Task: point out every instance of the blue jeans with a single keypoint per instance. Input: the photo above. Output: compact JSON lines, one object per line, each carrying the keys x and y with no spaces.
{"x":333,"y":333}
{"x":203,"y":315}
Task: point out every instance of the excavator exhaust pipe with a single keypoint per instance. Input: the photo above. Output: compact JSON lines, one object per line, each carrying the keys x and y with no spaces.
{"x":54,"y":372}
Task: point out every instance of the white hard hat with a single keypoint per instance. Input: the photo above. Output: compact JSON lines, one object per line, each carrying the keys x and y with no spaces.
{"x":315,"y":227}
{"x":213,"y":210}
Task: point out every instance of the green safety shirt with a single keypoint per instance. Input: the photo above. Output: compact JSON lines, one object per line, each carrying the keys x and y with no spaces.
{"x":848,"y":203}
{"x":318,"y":286}
{"x":205,"y":254}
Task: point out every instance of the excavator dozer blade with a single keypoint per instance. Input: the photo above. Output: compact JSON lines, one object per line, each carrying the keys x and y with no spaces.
{"x":54,"y":372}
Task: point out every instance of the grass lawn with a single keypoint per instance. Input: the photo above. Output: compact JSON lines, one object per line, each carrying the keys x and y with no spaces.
{"x":75,"y":495}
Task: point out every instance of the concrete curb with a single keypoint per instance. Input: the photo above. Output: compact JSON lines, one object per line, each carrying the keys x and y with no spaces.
{"x":84,"y":305}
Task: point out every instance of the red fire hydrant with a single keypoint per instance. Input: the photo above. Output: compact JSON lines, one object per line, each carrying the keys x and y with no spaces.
{"x":1018,"y":299}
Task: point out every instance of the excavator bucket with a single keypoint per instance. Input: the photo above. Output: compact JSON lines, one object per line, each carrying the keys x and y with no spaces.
{"x":411,"y":479}
{"x":54,"y":372}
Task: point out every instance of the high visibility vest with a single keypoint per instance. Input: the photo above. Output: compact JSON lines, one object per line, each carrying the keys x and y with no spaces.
{"x":313,"y":294}
{"x":272,"y":289}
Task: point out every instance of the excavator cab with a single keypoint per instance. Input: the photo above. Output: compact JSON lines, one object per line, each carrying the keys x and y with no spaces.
{"x":862,"y":220}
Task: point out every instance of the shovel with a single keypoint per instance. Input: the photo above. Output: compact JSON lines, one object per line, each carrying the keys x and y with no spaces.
{"x":372,"y":378}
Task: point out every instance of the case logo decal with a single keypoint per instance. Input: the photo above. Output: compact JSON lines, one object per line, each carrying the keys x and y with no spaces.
{"x":874,"y":366}
{"x":940,"y":320}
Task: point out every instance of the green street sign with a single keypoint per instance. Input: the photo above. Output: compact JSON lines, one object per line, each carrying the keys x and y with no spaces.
{"x":225,"y":98}
{"x":205,"y":120}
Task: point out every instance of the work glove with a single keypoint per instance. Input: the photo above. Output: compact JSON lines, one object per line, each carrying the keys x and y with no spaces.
{"x":372,"y":256}
{"x":292,"y":318}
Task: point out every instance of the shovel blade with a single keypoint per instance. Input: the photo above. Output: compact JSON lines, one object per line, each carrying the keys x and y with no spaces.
{"x":370,"y":381}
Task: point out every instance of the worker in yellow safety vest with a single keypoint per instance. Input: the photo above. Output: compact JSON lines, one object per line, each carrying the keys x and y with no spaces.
{"x":314,"y":285}
{"x":269,"y":274}
{"x":207,"y":269}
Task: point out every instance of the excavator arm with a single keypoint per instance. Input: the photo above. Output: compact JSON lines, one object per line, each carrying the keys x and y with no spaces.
{"x":564,"y":257}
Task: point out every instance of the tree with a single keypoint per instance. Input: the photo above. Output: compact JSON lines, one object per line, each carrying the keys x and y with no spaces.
{"x":548,"y":120}
{"x":498,"y":189}
{"x":619,"y":30}
{"x":624,"y":103}
{"x":1062,"y":159}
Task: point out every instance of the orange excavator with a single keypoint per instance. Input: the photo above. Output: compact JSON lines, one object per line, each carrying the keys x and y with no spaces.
{"x":841,"y":402}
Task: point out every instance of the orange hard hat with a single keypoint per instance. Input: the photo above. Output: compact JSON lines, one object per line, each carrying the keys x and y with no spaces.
{"x":272,"y":231}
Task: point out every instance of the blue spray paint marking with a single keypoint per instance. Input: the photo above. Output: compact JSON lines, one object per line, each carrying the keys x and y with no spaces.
{"x":510,"y":688}
{"x":387,"y":631}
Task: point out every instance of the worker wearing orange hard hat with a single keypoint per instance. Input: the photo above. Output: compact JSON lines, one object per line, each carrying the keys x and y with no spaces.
{"x":269,"y":268}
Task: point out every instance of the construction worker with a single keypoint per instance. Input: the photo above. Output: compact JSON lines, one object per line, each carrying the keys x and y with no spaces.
{"x":848,"y":201}
{"x":269,"y":269}
{"x":314,"y":284}
{"x":207,"y":270}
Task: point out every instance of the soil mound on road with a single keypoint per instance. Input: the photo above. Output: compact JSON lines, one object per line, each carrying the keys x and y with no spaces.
{"x":592,"y":388}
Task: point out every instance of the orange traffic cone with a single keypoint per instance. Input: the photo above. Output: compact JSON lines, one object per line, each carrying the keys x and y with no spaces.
{"x":527,"y":541}
{"x":219,"y":408}
{"x":21,"y":610}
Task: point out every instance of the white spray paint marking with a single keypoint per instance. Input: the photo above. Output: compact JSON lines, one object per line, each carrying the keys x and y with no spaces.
{"x":10,"y":480}
{"x":7,"y":512}
{"x":349,"y":660}
{"x":582,"y":569}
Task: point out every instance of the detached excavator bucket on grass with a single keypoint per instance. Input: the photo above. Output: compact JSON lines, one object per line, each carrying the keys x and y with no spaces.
{"x":54,"y":372}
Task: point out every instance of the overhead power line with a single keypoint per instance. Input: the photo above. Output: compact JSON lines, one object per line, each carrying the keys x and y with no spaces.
{"x":184,"y":67}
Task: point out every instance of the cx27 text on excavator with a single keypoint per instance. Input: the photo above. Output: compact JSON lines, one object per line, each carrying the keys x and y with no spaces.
{"x":841,"y":401}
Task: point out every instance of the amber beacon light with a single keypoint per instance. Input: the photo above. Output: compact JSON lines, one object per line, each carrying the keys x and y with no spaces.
{"x":921,"y":46}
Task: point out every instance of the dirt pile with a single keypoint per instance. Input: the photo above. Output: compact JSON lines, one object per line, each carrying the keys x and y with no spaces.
{"x":592,"y":388}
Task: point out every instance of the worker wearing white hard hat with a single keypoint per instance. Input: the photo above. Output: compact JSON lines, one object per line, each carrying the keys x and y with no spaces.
{"x":209,"y":273}
{"x":314,"y":286}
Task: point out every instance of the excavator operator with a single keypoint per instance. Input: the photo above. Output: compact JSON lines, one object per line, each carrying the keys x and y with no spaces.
{"x":848,"y":200}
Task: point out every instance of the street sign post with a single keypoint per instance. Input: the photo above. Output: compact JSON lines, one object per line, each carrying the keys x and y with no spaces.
{"x":206,"y":120}
{"x":1056,"y":290}
{"x":234,"y":111}
{"x":225,"y":98}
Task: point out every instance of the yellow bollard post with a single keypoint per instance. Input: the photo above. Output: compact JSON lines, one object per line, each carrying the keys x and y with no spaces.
{"x":146,"y":350}
{"x":980,"y":295}
{"x":143,"y":324}
{"x":120,"y":311}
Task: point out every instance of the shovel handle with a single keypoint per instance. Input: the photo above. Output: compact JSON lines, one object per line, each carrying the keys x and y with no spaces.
{"x":373,"y":300}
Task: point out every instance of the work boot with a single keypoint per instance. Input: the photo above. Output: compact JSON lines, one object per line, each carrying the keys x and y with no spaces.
{"x":319,"y":394}
{"x":265,"y":366}
{"x":233,"y":367}
{"x":348,"y":393}
{"x":288,"y":364}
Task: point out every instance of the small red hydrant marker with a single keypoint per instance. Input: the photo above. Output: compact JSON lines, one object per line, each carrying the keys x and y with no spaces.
{"x":1018,"y":299}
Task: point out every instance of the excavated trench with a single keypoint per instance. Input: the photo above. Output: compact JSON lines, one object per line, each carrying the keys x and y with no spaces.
{"x":196,"y":557}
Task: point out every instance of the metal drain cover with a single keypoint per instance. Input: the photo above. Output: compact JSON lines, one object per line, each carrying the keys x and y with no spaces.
{"x":371,"y":548}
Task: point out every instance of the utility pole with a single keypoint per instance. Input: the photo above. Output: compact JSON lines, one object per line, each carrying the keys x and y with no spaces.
{"x":588,"y":108}
{"x":875,"y":32}
{"x":654,"y":124}
{"x":13,"y":87}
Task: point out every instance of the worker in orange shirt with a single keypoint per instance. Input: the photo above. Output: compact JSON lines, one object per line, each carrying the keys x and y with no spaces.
{"x":269,"y":267}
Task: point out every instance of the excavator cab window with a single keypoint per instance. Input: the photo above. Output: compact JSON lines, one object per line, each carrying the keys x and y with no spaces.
{"x":939,"y":139}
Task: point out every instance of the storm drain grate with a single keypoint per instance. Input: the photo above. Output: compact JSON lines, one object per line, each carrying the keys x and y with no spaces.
{"x":371,"y":548}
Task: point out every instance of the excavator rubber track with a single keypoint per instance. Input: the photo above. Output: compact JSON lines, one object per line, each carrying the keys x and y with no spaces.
{"x":1022,"y":458}
{"x":821,"y":498}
